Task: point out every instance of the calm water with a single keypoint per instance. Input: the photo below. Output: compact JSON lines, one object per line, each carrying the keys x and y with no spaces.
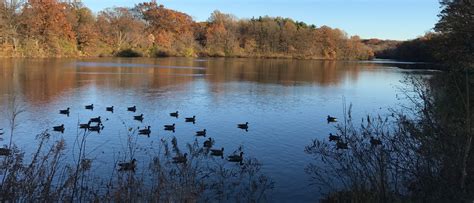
{"x":285,"y":101}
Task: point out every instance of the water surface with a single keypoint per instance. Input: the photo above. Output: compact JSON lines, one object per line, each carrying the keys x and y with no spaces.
{"x":285,"y":101}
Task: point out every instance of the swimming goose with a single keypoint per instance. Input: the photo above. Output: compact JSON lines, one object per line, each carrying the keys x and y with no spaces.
{"x":170,"y":127}
{"x":145,"y":131}
{"x":331,"y":119}
{"x":244,"y":126}
{"x":5,"y":152}
{"x":128,"y":166}
{"x":341,"y":145}
{"x":236,"y":158}
{"x":217,"y":152}
{"x":334,"y":137}
{"x":85,"y":125}
{"x":59,"y":128}
{"x":191,"y":119}
{"x":180,"y":159}
{"x":110,"y":108}
{"x":132,"y":109}
{"x":174,"y":114}
{"x":138,"y":118}
{"x":201,"y":133}
{"x":375,"y":142}
{"x":96,"y":128}
{"x":208,"y":143}
{"x":66,"y":111}
{"x":95,"y":120}
{"x":90,"y":107}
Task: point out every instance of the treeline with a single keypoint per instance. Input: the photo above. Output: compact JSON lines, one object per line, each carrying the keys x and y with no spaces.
{"x":421,"y":49}
{"x":45,"y":28}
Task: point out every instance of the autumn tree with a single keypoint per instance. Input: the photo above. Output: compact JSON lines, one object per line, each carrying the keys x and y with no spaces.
{"x":171,"y":30}
{"x":221,"y":35}
{"x":120,"y":29}
{"x":85,"y":29}
{"x":9,"y":22}
{"x":44,"y":23}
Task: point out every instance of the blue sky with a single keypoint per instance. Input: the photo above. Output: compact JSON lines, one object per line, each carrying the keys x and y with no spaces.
{"x":384,"y":19}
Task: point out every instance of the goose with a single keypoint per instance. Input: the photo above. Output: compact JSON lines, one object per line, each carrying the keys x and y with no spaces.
{"x":331,"y":119}
{"x":244,"y":126}
{"x":145,"y":131}
{"x":375,"y":142}
{"x":59,"y":128}
{"x":5,"y":152}
{"x":201,"y":133}
{"x":85,"y":125}
{"x":191,"y":119}
{"x":208,"y":143}
{"x":180,"y":159}
{"x":170,"y":127}
{"x":90,"y":107}
{"x":217,"y":152}
{"x":138,"y":118}
{"x":95,"y":120}
{"x":96,"y":128}
{"x":111,"y":109}
{"x":236,"y":158}
{"x":128,"y":166}
{"x":65,"y":111}
{"x":341,"y":145}
{"x":334,"y":137}
{"x":174,"y":114}
{"x":132,"y":109}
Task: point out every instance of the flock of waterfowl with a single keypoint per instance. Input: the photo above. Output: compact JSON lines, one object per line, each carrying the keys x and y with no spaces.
{"x":340,"y":143}
{"x":96,"y":125}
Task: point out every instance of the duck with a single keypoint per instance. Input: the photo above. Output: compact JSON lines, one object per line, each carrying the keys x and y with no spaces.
{"x":65,"y":111}
{"x":334,"y":137}
{"x":174,"y":114}
{"x":191,"y":119}
{"x":59,"y":128}
{"x":145,"y":131}
{"x":341,"y":145}
{"x":132,"y":109}
{"x":128,"y":166}
{"x":208,"y":143}
{"x":138,"y":118}
{"x":375,"y":142}
{"x":180,"y":159}
{"x":85,"y":125}
{"x":96,"y":120}
{"x":217,"y":152}
{"x":236,"y":158}
{"x":170,"y":127}
{"x":201,"y":133}
{"x":110,"y":108}
{"x":331,"y":119}
{"x":90,"y":107}
{"x":5,"y":152}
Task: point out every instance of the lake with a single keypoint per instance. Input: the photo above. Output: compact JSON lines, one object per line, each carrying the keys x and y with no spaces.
{"x":286,"y":103}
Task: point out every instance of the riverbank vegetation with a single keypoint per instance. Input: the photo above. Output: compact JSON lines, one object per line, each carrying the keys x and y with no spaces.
{"x":421,"y":151}
{"x":54,"y":28}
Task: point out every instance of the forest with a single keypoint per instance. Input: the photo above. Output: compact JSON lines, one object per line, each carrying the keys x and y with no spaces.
{"x":54,"y":28}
